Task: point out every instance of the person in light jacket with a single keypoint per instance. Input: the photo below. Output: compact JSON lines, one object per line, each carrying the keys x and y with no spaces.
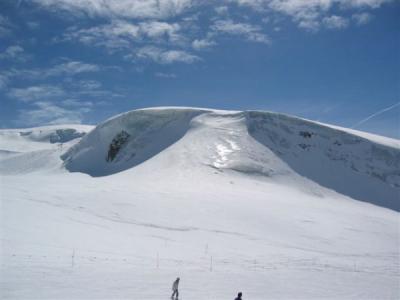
{"x":175,"y":291}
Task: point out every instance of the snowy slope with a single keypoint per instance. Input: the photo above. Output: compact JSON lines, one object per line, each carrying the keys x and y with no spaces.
{"x":364,"y":167}
{"x":361,"y":168}
{"x":36,"y":149}
{"x":150,"y":132}
{"x":226,"y":200}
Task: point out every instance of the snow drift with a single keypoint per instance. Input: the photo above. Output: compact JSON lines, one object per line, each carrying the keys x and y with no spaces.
{"x":128,"y":140}
{"x":35,"y":149}
{"x":361,"y":166}
{"x":364,"y":168}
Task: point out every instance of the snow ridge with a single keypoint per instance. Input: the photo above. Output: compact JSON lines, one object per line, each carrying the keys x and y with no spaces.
{"x":250,"y":142}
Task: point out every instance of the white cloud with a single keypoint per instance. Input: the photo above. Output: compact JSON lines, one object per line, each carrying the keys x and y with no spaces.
{"x":71,"y":89}
{"x":119,"y":35}
{"x":165,"y":75}
{"x":36,"y":93}
{"x":90,"y":84}
{"x":335,"y":22}
{"x":97,"y":93}
{"x":114,"y":35}
{"x":53,"y":105}
{"x":163,"y":56}
{"x":13,"y":52}
{"x":49,"y":113}
{"x":157,"y":9}
{"x":90,"y":89}
{"x":249,"y":31}
{"x":362,"y":3}
{"x":22,"y":73}
{"x":293,"y":7}
{"x":157,"y":30}
{"x":265,"y":20}
{"x":304,"y":13}
{"x":3,"y":81}
{"x":5,"y":26}
{"x":71,"y":68}
{"x":76,"y":103}
{"x":33,"y":25}
{"x":312,"y":25}
{"x":362,"y":18}
{"x":222,"y":10}
{"x":202,"y":44}
{"x":307,"y":13}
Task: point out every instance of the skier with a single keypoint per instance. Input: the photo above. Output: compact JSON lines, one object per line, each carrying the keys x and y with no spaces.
{"x":239,"y":297}
{"x":175,"y":291}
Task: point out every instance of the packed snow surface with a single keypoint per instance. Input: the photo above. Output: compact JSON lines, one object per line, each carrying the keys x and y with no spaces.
{"x":274,"y":206}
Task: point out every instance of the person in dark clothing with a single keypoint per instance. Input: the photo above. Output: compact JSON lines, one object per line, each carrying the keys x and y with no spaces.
{"x":239,"y":297}
{"x":175,"y":291}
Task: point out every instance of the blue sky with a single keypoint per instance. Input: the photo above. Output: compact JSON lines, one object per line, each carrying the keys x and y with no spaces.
{"x":82,"y":61}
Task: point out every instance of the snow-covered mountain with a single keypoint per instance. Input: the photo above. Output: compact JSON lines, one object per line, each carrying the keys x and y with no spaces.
{"x":273,"y":205}
{"x":36,"y":149}
{"x":364,"y":167}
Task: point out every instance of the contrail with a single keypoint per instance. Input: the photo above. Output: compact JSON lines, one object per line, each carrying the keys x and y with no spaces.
{"x":375,"y":114}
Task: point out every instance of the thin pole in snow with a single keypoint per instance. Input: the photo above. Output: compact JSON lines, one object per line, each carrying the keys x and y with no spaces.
{"x":211,"y":264}
{"x":73,"y":258}
{"x":158,"y":260}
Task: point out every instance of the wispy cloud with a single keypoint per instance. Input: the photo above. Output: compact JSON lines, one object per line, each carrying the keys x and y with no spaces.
{"x":5,"y":26}
{"x":120,"y":34}
{"x":222,"y":10}
{"x":158,"y":30}
{"x":3,"y":81}
{"x":44,"y":112}
{"x":48,"y":104}
{"x":308,"y":14}
{"x":379,"y":112}
{"x":362,"y":18}
{"x":89,"y":85}
{"x":249,"y":31}
{"x":115,"y":35}
{"x":165,"y":75}
{"x":33,"y":25}
{"x":163,"y":56}
{"x":67,"y":69}
{"x":76,"y":103}
{"x":14,"y":52}
{"x":335,"y":22}
{"x":36,"y":93}
{"x":157,"y":25}
{"x":70,"y":68}
{"x":200,"y":44}
{"x":158,"y":9}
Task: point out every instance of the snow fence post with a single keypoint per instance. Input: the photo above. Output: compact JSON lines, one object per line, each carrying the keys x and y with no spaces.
{"x":73,"y":258}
